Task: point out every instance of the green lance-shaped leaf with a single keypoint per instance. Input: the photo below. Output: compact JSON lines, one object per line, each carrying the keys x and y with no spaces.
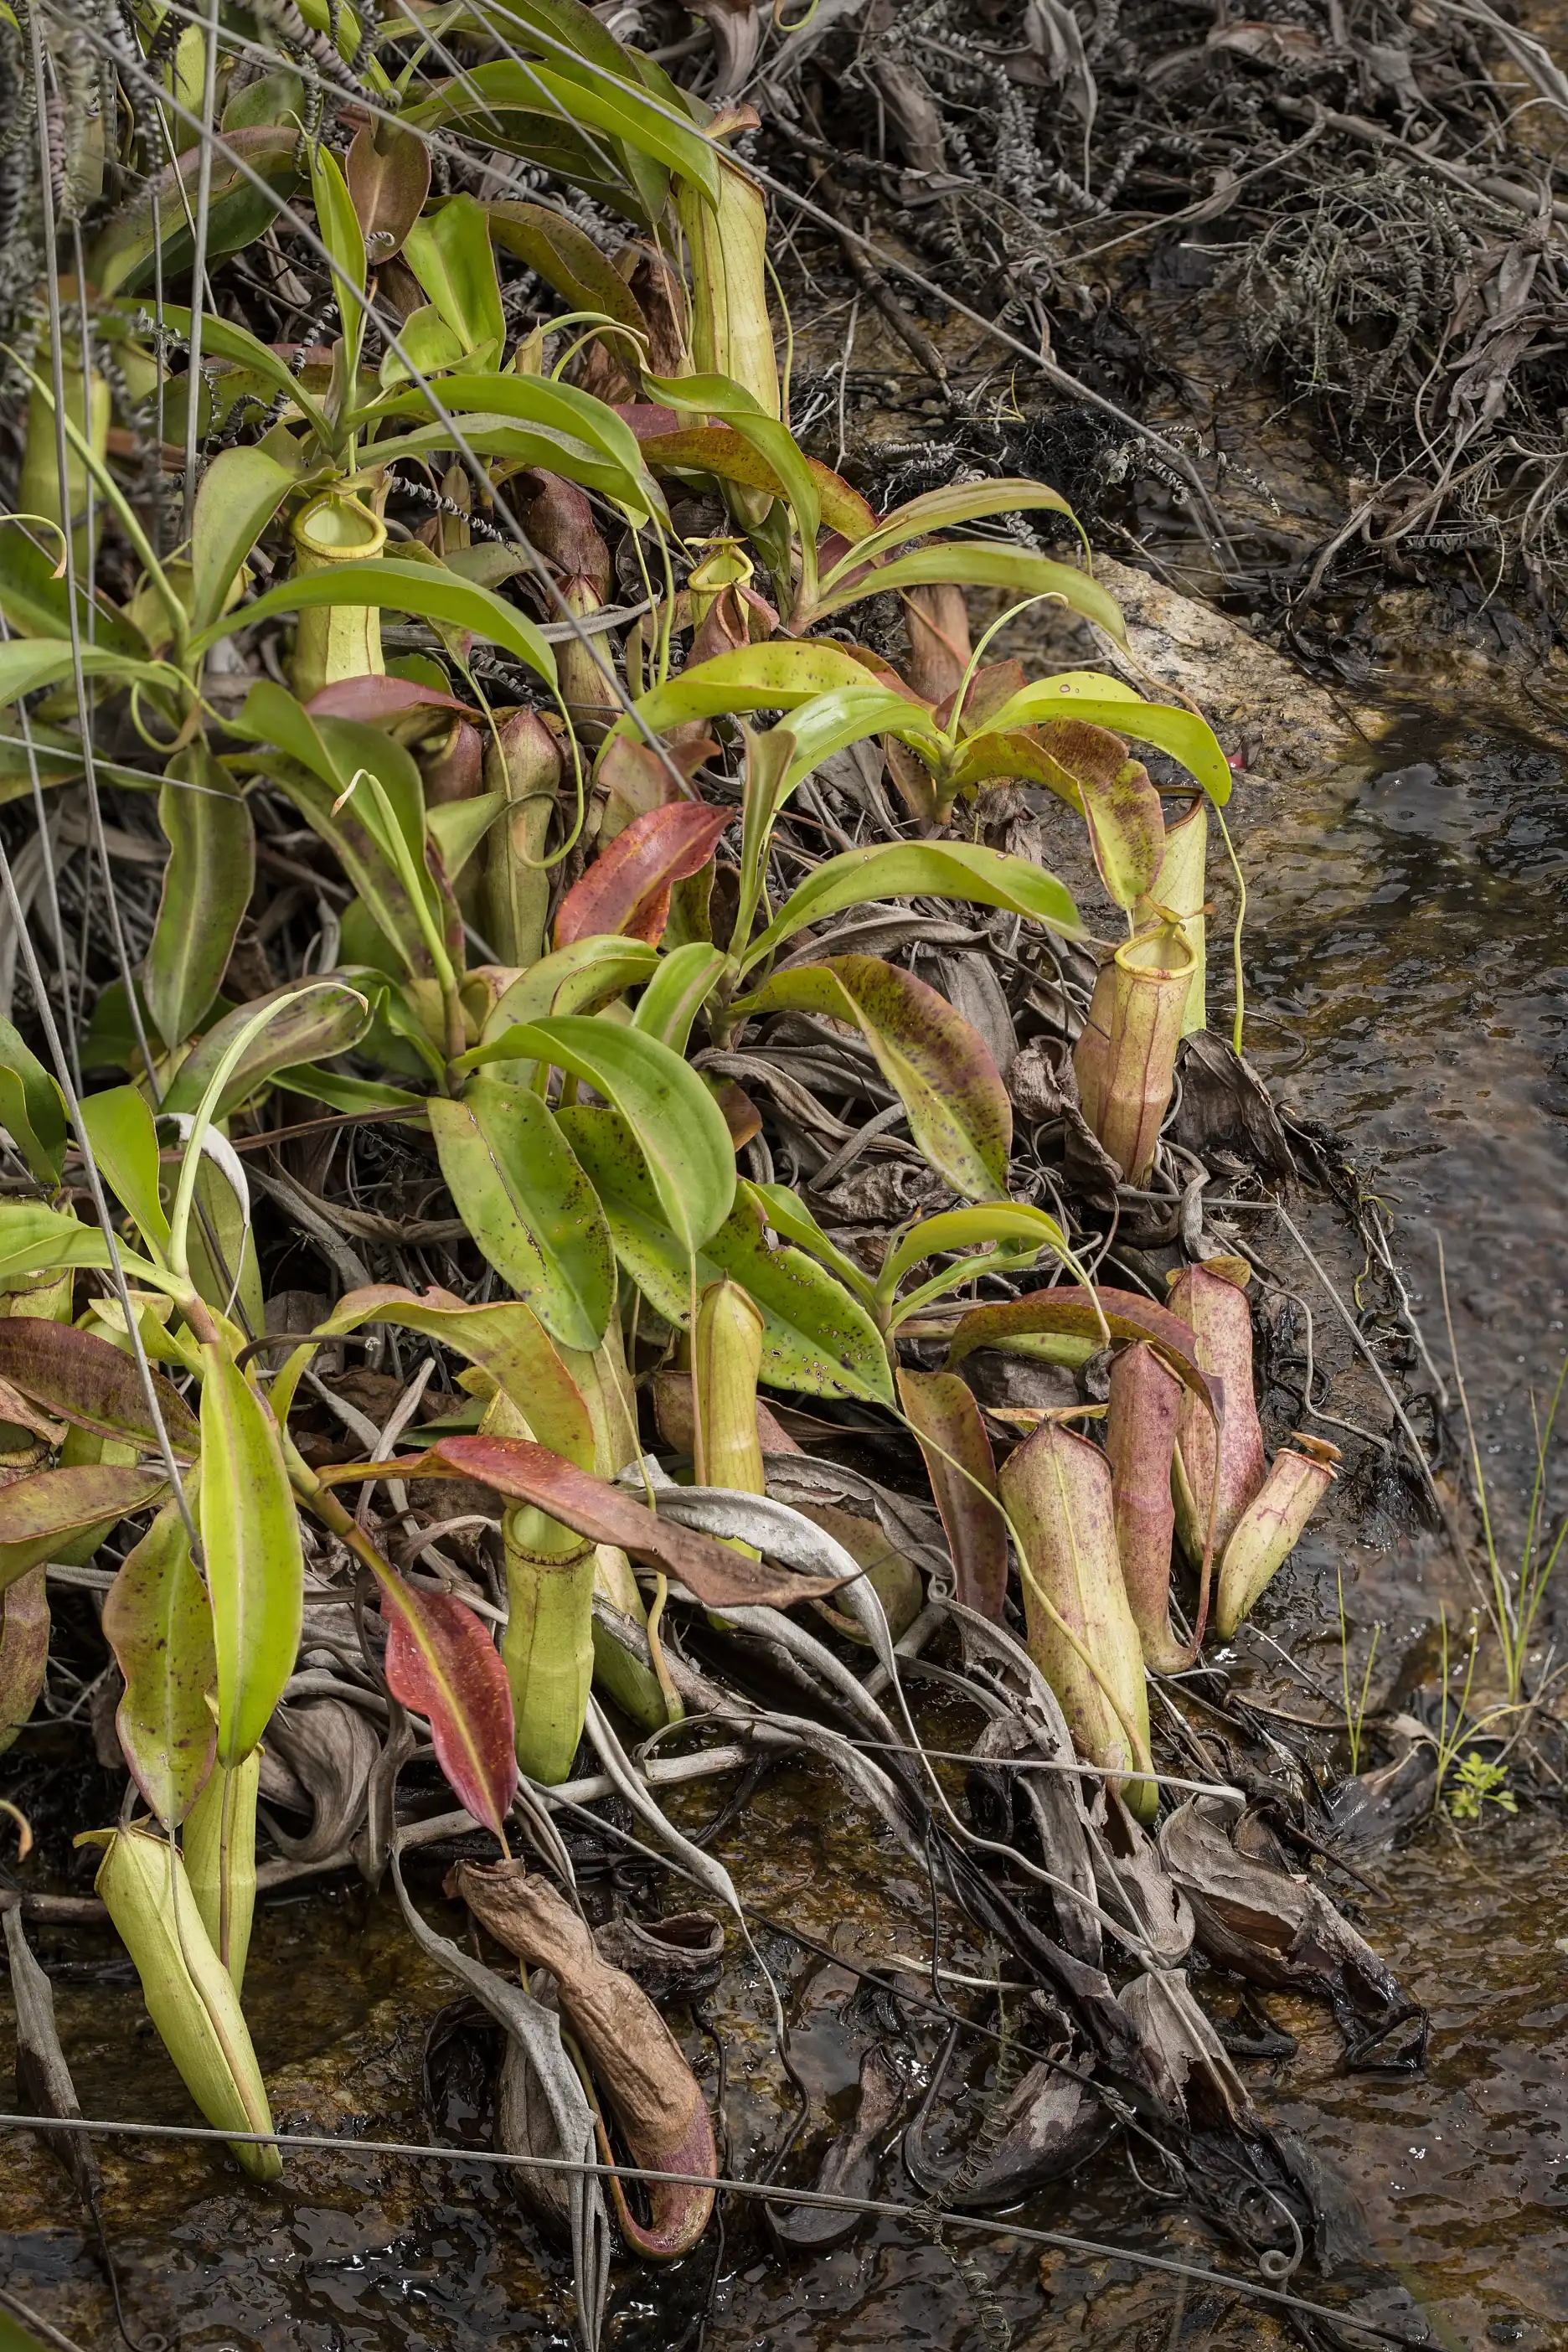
{"x":816,"y":1337}
{"x":240,"y":493}
{"x":33,"y":1238}
{"x":311,"y":1022}
{"x":251,"y":1549}
{"x":28,"y":663}
{"x":189,"y":1995}
{"x":943,"y":510}
{"x":238,"y":211}
{"x":208,"y":884}
{"x":778,"y":676}
{"x":936,"y":1062}
{"x":36,"y":600}
{"x":337,"y":225}
{"x":223,"y":341}
{"x":590,"y":973}
{"x":124,"y":1140}
{"x":507,"y":1340}
{"x":561,"y":410}
{"x":1102,"y":702}
{"x":41,"y":1513}
{"x":718,"y":395}
{"x":921,"y":869}
{"x":567,"y":258}
{"x":528,"y":1204}
{"x":787,"y":1214}
{"x":450,"y":252}
{"x":32,"y":1108}
{"x":81,"y":1379}
{"x":678,"y":1127}
{"x":977,"y":563}
{"x":578,"y":92}
{"x":720,"y":450}
{"x":427,"y":591}
{"x":158,"y":1621}
{"x":1001,"y":1233}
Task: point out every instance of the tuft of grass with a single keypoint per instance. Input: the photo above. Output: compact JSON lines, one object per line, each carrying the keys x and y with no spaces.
{"x":1355,"y":1710}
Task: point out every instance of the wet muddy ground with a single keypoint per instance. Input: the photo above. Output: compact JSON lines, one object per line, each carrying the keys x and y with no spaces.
{"x":1408,"y":970}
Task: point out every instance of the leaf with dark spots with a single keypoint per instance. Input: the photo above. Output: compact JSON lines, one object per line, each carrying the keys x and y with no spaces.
{"x":963,"y":1472}
{"x":79,"y":1378}
{"x":442,"y":1663}
{"x":625,"y":891}
{"x":158,"y":1620}
{"x":1126,"y":1315}
{"x":525,"y":1472}
{"x":37,"y":1513}
{"x":935,"y":1061}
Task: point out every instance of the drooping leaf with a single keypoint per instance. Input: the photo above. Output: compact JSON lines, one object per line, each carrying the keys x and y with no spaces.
{"x":237,"y":211}
{"x":1089,"y":768}
{"x":936,"y":1061}
{"x":33,"y":1238}
{"x":506,"y":1337}
{"x":1182,"y":734}
{"x":718,"y":449}
{"x":566,"y":257}
{"x":313,"y":1021}
{"x":998,"y":1225}
{"x":609,"y":458}
{"x":32,"y":1108}
{"x":39,"y":1513}
{"x":718,"y":395}
{"x":28,"y":663}
{"x":943,"y":510}
{"x":923,"y":869}
{"x":626,"y":889}
{"x":388,"y":175}
{"x":528,"y":1204}
{"x":441,"y":1662}
{"x":158,"y":1621}
{"x":221,"y":339}
{"x":678,"y":1125}
{"x":1070,"y":1314}
{"x":579,"y":93}
{"x":777,"y":675}
{"x":251,"y":1549}
{"x":241,"y":492}
{"x":817,"y":1338}
{"x":782,"y":1208}
{"x":208,"y":884}
{"x":978,"y":564}
{"x":81,"y":1379}
{"x":577,"y":978}
{"x":718,"y":1576}
{"x":428,"y":592}
{"x":963,"y":1472}
{"x":124,"y":1139}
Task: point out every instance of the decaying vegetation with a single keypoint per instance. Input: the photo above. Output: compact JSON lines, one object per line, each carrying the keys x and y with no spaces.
{"x":582,"y":1207}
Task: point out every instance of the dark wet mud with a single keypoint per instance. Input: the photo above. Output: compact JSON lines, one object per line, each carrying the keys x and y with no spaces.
{"x":1407,"y":964}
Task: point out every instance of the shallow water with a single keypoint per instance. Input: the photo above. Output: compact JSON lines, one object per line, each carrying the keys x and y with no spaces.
{"x":1410,"y":932}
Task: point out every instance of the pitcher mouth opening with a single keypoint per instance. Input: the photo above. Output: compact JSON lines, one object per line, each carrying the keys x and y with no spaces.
{"x":337,"y":528}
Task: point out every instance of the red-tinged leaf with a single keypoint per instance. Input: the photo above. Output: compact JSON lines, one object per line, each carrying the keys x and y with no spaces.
{"x":79,"y":1378}
{"x":1069,"y":1313}
{"x":647,"y":417}
{"x":524,"y":1473}
{"x":626,"y":892}
{"x":36,"y":1513}
{"x":388,"y":176}
{"x":963,"y":1472}
{"x":441,"y":1662}
{"x":375,"y":700}
{"x":718,"y":449}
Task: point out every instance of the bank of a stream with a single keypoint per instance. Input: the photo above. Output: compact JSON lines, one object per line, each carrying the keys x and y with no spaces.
{"x":1407,"y":947}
